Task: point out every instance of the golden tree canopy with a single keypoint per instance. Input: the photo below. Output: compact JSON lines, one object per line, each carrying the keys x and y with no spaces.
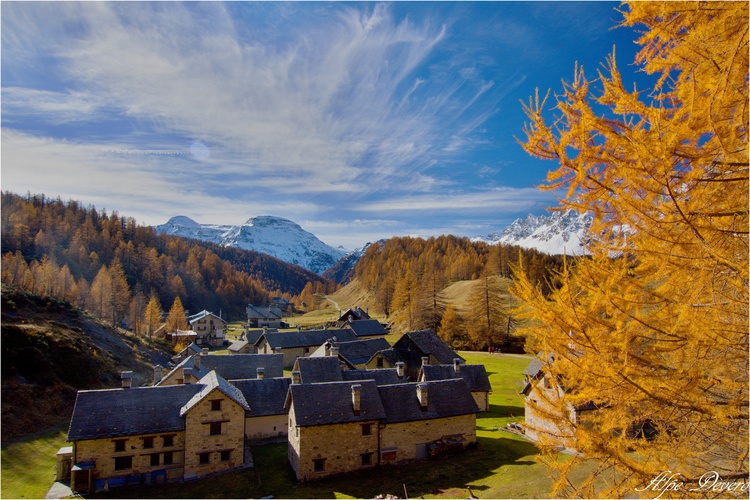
{"x":652,"y":330}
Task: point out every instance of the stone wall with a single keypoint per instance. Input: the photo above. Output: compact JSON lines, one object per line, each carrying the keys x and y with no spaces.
{"x":231,"y":417}
{"x":268,"y":427}
{"x":408,"y":440}
{"x":545,"y":416}
{"x":482,"y":399}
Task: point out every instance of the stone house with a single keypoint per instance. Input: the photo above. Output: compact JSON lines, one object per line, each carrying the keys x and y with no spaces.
{"x":266,"y":420}
{"x":151,"y":435}
{"x":298,"y":344}
{"x":246,"y":343}
{"x":268,"y":316}
{"x":412,"y":349}
{"x":353,"y":314}
{"x":475,"y":376}
{"x":354,"y":354}
{"x":548,"y":418}
{"x":240,"y":366}
{"x":366,"y":328}
{"x":330,"y":369}
{"x":338,"y":427}
{"x":208,"y":327}
{"x":190,"y":350}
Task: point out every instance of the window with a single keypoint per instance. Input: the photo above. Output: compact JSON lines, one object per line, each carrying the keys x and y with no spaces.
{"x":215,"y":428}
{"x":168,"y":458}
{"x":120,"y":445}
{"x":366,"y":458}
{"x":148,"y":442}
{"x":216,"y":405}
{"x":319,"y":464}
{"x":367,"y":429}
{"x":204,"y":458}
{"x":180,"y":381}
{"x":226,"y":455}
{"x":122,"y":463}
{"x":154,"y":459}
{"x":380,"y":362}
{"x":168,"y":441}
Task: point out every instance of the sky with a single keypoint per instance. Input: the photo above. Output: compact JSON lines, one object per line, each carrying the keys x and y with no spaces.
{"x":357,"y":120}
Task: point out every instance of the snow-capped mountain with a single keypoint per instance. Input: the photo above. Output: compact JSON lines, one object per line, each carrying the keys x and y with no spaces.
{"x":274,"y":236}
{"x":563,"y":232}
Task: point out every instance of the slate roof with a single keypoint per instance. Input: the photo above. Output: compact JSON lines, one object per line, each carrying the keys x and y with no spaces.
{"x":360,"y":351}
{"x":428,"y":342}
{"x":445,"y":398}
{"x":366,"y":327}
{"x":304,"y":338}
{"x":391,"y":356}
{"x":237,"y":345}
{"x":125,"y":412}
{"x":536,"y":365}
{"x":235,"y":366}
{"x":263,"y":312}
{"x":357,"y":312}
{"x":381,"y":376}
{"x":475,"y":376}
{"x":331,"y":403}
{"x":195,"y":317}
{"x":252,"y":336}
{"x":209,"y":383}
{"x":319,"y":369}
{"x":264,"y":396}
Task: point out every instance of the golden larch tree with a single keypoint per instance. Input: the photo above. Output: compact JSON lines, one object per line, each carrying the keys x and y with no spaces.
{"x":652,"y":329}
{"x":176,"y":319}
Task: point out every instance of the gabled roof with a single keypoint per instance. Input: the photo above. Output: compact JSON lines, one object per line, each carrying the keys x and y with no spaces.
{"x":304,"y":338}
{"x":320,"y":369}
{"x":357,"y":312}
{"x":475,"y":376}
{"x":264,"y":396}
{"x":366,"y":327}
{"x":381,"y":376}
{"x":360,"y":351}
{"x":445,"y":398}
{"x":125,"y":412}
{"x":331,"y":403}
{"x":391,"y":356}
{"x":209,"y":383}
{"x":428,"y":343}
{"x":537,"y":365}
{"x":237,"y":345}
{"x":263,"y":312}
{"x":195,"y":317}
{"x":252,"y":336}
{"x":236,"y":366}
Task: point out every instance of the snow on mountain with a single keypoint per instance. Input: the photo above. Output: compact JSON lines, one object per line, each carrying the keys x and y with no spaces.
{"x":563,"y":232}
{"x":274,"y":236}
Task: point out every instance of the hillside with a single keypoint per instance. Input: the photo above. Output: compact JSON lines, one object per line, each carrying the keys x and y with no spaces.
{"x":50,"y":350}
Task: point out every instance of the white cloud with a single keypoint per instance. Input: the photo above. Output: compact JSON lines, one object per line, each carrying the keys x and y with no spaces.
{"x":499,"y":200}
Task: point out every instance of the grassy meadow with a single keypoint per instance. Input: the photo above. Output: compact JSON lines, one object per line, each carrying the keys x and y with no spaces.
{"x":503,"y":466}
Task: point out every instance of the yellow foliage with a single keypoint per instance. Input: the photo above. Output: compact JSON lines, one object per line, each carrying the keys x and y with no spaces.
{"x":653,"y":329}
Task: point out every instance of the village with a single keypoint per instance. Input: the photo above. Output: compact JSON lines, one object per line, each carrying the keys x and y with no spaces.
{"x":343,"y":399}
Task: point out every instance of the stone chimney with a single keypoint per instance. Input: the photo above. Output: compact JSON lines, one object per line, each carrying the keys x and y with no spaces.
{"x":265,"y":329}
{"x":187,"y":376}
{"x":277,"y":350}
{"x":425,"y":361}
{"x":457,"y":364}
{"x":334,"y":350}
{"x":158,"y":373}
{"x":260,"y":372}
{"x":400,"y":369}
{"x":356,"y":393}
{"x":197,"y":361}
{"x":296,"y":378}
{"x":422,"y":396}
{"x":327,"y":347}
{"x":127,"y":379}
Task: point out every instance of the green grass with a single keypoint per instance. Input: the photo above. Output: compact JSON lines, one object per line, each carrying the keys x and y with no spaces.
{"x":29,"y":467}
{"x":503,"y":466}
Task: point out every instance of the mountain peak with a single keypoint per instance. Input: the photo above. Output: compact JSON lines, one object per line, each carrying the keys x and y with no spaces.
{"x":182,"y":220}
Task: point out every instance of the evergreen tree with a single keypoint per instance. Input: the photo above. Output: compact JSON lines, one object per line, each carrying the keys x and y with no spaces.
{"x":653,"y":328}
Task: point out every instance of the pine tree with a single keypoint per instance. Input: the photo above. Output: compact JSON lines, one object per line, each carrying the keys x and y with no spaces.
{"x":653,"y":328}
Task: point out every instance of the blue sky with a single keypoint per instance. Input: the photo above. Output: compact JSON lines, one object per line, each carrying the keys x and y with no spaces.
{"x":358,"y":121}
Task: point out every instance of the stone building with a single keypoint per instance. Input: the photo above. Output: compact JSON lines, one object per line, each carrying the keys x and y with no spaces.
{"x":338,"y":427}
{"x":300,"y":343}
{"x":156,"y":434}
{"x":240,"y":366}
{"x":355,"y":354}
{"x":314,"y":370}
{"x":266,"y":420}
{"x":208,"y":327}
{"x":475,"y":377}
{"x":411,"y":349}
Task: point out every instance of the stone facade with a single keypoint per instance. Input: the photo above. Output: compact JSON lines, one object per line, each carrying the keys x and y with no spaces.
{"x":214,"y":427}
{"x":547,"y":419}
{"x":482,"y":399}
{"x":266,"y":427}
{"x":406,"y":441}
{"x":290,"y":353}
{"x":209,"y":330}
{"x":324,"y":450}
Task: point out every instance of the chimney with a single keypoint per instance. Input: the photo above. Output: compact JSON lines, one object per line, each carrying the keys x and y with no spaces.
{"x":400,"y":369}
{"x":425,"y":361}
{"x":299,"y":329}
{"x":327,"y":346}
{"x":422,"y":396}
{"x":457,"y":364}
{"x":334,"y":350}
{"x":356,"y":391}
{"x":187,"y":376}
{"x":197,"y":361}
{"x":277,"y":350}
{"x":265,"y":329}
{"x":127,"y":379}
{"x":158,"y":373}
{"x":296,"y":378}
{"x":204,"y":351}
{"x":260,"y":372}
